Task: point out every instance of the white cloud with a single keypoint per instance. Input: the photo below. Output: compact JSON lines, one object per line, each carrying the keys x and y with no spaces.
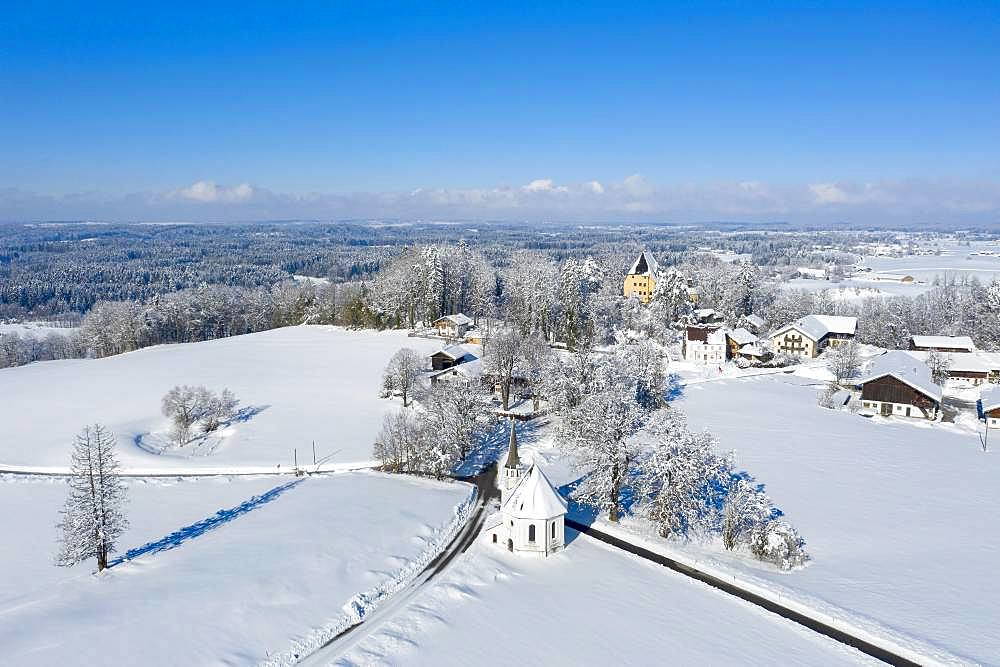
{"x":828,"y":193}
{"x":633,"y":198}
{"x":544,"y":185}
{"x":207,"y":191}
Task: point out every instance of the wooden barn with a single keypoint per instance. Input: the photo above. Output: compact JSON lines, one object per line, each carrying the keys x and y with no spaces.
{"x":942,"y":344}
{"x":901,"y":386}
{"x":453,"y":355}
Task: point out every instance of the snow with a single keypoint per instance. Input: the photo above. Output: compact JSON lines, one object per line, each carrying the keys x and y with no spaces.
{"x":905,"y":368}
{"x":894,"y":512}
{"x":817,"y":326}
{"x":949,"y":342}
{"x":298,"y":384}
{"x":283,"y":565}
{"x":652,"y":268}
{"x":35,"y":329}
{"x":990,"y":397}
{"x":534,"y":498}
{"x":589,"y":604}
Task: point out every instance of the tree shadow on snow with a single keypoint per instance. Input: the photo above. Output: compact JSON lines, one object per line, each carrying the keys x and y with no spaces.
{"x":220,"y":518}
{"x":492,"y":445}
{"x":674,"y":388}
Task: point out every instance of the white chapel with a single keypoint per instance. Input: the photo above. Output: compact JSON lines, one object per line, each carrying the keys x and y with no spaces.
{"x":532,"y":514}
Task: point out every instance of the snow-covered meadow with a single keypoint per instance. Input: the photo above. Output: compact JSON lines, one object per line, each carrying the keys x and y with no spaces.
{"x":590,"y":604}
{"x":896,"y":513}
{"x":297,"y":384}
{"x":222,"y":571}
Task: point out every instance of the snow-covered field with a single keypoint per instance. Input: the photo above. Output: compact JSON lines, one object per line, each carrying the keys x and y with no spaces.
{"x":299,"y":384}
{"x":589,"y":605}
{"x":897,"y":515}
{"x":35,"y":329}
{"x":265,"y":577}
{"x":954,"y":261}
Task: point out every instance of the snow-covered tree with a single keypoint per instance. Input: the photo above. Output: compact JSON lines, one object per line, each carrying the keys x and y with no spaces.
{"x":939,"y":363}
{"x":401,"y":443}
{"x":455,"y":413}
{"x":504,"y":358}
{"x":93,"y":517}
{"x":670,"y":300}
{"x":683,"y":479}
{"x":188,"y":406}
{"x":402,"y":372}
{"x":746,"y":508}
{"x":597,"y":436}
{"x":844,"y":361}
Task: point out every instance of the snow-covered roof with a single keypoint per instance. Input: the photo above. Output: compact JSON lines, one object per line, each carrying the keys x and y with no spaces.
{"x":644,"y":265}
{"x":457,"y":352}
{"x":457,"y":319}
{"x":741,"y":336}
{"x":990,"y":397}
{"x":471,"y":370}
{"x":752,"y":350}
{"x":717,"y":337}
{"x":818,"y":326}
{"x":905,"y":368}
{"x":534,"y":498}
{"x":949,"y":342}
{"x":754,"y":321}
{"x":962,"y":362}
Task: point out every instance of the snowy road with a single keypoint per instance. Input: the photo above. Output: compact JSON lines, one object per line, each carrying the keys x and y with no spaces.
{"x":330,"y":652}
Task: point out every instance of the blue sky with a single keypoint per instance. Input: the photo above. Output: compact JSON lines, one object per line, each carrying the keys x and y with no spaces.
{"x":672,"y":111}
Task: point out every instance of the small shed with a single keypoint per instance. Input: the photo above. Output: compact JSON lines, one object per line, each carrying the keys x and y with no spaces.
{"x":450,"y":356}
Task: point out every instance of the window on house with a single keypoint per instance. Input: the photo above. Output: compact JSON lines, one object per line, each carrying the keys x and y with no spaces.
{"x":531,"y":533}
{"x":553,"y":530}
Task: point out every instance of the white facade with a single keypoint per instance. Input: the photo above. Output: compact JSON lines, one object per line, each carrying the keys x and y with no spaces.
{"x":710,"y":351}
{"x":531,"y":520}
{"x":453,"y":326}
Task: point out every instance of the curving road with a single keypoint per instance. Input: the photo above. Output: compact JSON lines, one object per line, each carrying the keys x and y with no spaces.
{"x":337,"y":646}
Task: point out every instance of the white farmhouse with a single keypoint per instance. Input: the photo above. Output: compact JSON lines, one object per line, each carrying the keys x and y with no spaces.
{"x":453,"y":326}
{"x":810,"y":335}
{"x":532,"y":514}
{"x":705,"y":344}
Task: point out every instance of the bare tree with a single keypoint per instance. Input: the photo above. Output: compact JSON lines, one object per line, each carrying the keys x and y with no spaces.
{"x":844,"y":361}
{"x":402,"y":372}
{"x":939,"y":363}
{"x":93,"y":517}
{"x":188,"y":406}
{"x":502,"y":358}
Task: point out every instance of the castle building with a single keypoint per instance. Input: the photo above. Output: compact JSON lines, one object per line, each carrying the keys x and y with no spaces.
{"x":641,"y":278}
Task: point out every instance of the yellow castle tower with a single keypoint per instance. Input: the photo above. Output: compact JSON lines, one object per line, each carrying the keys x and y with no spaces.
{"x":641,"y":278}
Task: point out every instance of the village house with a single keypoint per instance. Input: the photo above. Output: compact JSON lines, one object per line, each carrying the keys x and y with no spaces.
{"x":453,"y":355}
{"x":531,"y":520}
{"x":754,"y":324}
{"x":810,"y":335}
{"x":736,"y":340}
{"x":704,"y":344}
{"x":899,"y":385}
{"x":973,"y":367}
{"x":942,"y":344}
{"x":989,"y":404}
{"x":469,"y":373}
{"x":453,"y":326}
{"x":641,"y":278}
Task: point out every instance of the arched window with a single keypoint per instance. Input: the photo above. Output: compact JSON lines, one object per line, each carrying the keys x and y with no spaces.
{"x":531,"y":532}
